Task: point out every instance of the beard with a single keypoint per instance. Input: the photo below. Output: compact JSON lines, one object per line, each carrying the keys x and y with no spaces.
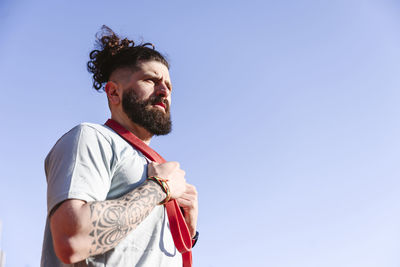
{"x":144,"y":114}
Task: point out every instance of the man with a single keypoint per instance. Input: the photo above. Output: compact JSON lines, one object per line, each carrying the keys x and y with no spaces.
{"x":103,"y":210}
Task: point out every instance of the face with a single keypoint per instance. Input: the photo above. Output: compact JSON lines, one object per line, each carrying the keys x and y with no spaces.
{"x":147,"y":96}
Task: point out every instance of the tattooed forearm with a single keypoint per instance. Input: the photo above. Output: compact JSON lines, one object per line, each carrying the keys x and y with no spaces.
{"x":112,"y":220}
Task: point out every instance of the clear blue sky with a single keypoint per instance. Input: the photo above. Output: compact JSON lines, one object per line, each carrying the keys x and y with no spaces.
{"x":286,"y":118}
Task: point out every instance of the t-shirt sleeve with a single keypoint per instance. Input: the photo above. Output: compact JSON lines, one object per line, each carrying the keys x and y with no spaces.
{"x":79,"y":167}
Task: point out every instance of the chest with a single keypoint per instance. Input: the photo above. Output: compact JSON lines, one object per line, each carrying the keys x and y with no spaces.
{"x":129,"y":172}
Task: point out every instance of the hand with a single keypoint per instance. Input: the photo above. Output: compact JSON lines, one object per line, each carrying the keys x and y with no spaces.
{"x":189,"y":203}
{"x":173,"y":173}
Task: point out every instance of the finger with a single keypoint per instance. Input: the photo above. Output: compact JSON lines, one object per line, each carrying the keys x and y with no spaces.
{"x":191,"y":189}
{"x":184,"y":203}
{"x":177,"y":164}
{"x":188,"y":197}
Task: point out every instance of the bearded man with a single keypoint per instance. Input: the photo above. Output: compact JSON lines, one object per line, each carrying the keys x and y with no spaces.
{"x":104,"y":194}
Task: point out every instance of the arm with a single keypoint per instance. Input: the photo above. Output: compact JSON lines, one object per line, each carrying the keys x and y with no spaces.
{"x":83,"y":229}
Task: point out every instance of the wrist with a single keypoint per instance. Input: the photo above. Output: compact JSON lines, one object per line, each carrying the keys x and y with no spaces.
{"x":161,"y":193}
{"x":164,"y":186}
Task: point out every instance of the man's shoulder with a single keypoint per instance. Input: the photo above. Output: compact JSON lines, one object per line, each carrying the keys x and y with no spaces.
{"x":85,"y":136}
{"x":87,"y":129}
{"x":92,"y":135}
{"x":85,"y":133}
{"x":92,"y":127}
{"x":97,"y":134}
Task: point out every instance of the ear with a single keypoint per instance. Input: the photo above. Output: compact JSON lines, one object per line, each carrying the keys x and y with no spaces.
{"x":114,"y":93}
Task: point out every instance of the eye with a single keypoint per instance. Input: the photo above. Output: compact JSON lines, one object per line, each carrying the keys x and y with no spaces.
{"x":152,"y":81}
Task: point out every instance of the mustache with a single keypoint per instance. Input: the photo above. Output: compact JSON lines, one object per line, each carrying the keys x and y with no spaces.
{"x":152,"y":100}
{"x":159,"y":99}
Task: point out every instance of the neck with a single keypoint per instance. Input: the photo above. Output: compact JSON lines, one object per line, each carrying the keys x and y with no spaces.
{"x":134,"y":128}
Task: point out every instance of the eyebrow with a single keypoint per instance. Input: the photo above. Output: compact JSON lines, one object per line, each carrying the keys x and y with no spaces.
{"x":158,"y":76}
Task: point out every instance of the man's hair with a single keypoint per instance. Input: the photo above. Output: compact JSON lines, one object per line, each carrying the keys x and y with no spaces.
{"x":113,"y":53}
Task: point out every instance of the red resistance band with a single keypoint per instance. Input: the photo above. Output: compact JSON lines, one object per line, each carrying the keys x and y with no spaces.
{"x":179,"y":230}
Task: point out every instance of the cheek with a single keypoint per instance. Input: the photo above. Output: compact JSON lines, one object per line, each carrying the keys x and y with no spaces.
{"x":143,"y":92}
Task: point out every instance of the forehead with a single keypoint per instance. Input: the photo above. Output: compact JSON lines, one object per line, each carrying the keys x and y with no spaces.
{"x":154,"y":68}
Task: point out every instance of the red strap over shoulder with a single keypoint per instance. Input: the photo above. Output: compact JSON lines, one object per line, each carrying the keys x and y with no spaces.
{"x":179,"y":230}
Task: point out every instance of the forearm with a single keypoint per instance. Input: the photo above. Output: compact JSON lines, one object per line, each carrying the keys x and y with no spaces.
{"x":101,"y":225}
{"x":112,"y":220}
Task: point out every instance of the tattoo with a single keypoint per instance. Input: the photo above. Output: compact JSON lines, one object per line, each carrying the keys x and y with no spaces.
{"x":112,"y":220}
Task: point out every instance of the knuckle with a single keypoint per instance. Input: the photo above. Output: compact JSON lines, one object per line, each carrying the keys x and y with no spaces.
{"x":192,"y":188}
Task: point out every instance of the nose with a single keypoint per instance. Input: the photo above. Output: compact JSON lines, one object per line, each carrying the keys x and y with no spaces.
{"x":162,"y":90}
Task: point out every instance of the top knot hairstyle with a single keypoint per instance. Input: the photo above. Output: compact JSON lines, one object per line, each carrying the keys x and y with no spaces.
{"x":113,"y":53}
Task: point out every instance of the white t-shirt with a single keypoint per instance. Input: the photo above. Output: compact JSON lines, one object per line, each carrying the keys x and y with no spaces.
{"x":93,"y":163}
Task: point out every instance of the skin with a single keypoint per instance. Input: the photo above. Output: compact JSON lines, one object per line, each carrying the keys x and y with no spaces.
{"x":81,"y":229}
